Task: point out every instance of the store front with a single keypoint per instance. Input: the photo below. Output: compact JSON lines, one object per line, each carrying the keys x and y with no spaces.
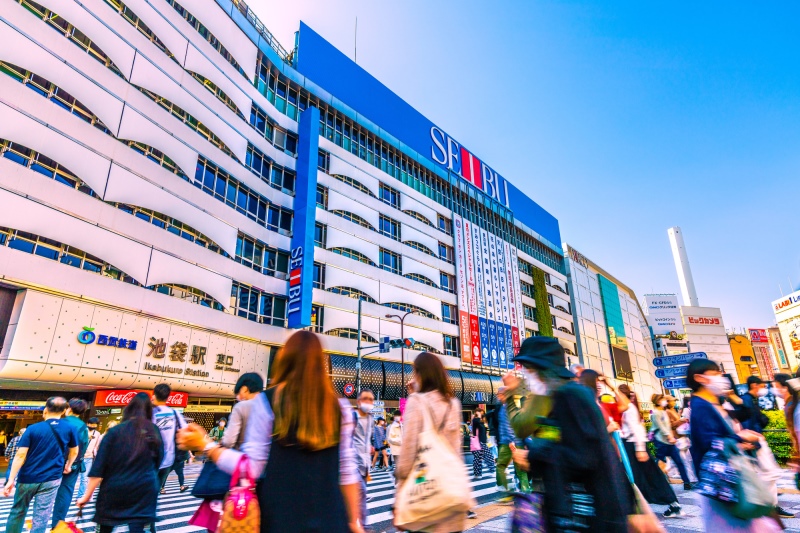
{"x":108,"y":404}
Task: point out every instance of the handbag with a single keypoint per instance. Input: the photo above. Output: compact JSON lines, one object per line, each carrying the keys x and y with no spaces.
{"x":240,"y":510}
{"x":474,"y":443}
{"x":212,"y":483}
{"x":68,"y":527}
{"x":437,"y":487}
{"x":527,"y":516}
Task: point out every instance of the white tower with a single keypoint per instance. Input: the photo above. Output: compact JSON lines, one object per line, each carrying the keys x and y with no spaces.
{"x":682,"y":266}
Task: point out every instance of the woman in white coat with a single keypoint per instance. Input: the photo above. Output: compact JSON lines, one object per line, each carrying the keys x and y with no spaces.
{"x":395,"y":437}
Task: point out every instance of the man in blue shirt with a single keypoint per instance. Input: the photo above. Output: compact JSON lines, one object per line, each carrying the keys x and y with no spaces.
{"x":64,"y":495}
{"x":46,"y":451}
{"x":507,"y":443}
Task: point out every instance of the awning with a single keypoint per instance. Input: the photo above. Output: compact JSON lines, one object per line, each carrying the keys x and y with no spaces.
{"x":394,"y":385}
{"x":477,"y":388}
{"x":497,"y":382}
{"x":454,"y":378}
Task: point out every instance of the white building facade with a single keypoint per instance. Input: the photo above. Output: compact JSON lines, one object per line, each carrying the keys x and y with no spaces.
{"x":160,"y":196}
{"x":787,"y":317}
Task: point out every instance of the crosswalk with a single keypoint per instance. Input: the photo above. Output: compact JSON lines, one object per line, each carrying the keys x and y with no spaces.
{"x":176,"y":508}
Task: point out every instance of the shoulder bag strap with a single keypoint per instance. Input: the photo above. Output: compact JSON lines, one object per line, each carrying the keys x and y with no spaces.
{"x":58,"y":440}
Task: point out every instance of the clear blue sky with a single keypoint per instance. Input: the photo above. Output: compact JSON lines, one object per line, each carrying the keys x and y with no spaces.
{"x":620,"y":118}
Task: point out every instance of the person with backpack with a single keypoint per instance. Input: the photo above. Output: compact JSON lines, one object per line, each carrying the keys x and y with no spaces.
{"x":168,"y":422}
{"x":218,"y":431}
{"x":126,"y":470}
{"x":299,"y":436}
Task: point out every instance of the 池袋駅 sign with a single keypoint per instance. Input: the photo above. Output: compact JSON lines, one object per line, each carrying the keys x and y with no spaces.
{"x":116,"y":398}
{"x":682,"y":359}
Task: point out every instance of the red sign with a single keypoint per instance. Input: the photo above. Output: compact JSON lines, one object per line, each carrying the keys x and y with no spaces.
{"x":349,"y":389}
{"x":758,"y":336}
{"x":117,"y":398}
{"x":703,"y":320}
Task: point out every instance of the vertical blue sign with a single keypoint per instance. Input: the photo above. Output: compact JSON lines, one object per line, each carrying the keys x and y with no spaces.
{"x":301,"y":262}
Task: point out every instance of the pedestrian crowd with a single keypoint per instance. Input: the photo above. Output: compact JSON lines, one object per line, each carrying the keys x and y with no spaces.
{"x":294,"y":457}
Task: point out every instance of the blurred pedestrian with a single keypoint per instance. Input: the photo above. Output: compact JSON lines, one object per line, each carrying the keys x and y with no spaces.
{"x":169,"y":421}
{"x":482,"y":455}
{"x":73,"y":420}
{"x":395,"y":437}
{"x":126,"y":468}
{"x":247,"y":388}
{"x":508,"y":442}
{"x":568,"y":445}
{"x":91,"y":452}
{"x":664,"y":439}
{"x":218,"y":431}
{"x":46,"y":452}
{"x":11,"y":452}
{"x":380,"y":446}
{"x":436,"y":399}
{"x":362,"y":442}
{"x":310,"y":482}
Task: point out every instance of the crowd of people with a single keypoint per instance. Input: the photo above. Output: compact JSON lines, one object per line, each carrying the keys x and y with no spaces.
{"x":578,"y":445}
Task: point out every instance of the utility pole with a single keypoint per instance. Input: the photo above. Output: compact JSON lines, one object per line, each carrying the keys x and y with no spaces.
{"x":402,"y":351}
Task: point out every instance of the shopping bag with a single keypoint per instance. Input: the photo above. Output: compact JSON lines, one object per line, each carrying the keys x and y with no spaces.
{"x":474,"y":444}
{"x":240,"y":511}
{"x":527,"y":516}
{"x":66,"y":527}
{"x":437,"y":486}
{"x":206,"y":516}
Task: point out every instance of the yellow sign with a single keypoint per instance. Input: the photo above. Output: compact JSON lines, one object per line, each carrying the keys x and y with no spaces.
{"x":208,"y":409}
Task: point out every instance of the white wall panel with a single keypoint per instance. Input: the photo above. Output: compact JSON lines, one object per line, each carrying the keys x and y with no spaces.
{"x":409,"y":233}
{"x":136,"y":127}
{"x":336,"y":277}
{"x":228,"y":33}
{"x":393,"y":293}
{"x":415,"y":267}
{"x":174,"y":41}
{"x":338,"y":201}
{"x":126,"y":187}
{"x":27,"y":215}
{"x":16,"y":127}
{"x":343,"y":168}
{"x":165,"y":268}
{"x":197,"y":62}
{"x":410,"y":204}
{"x":431,"y":338}
{"x":338,"y":318}
{"x":21,"y":51}
{"x":340,"y":239}
{"x":120,"y":53}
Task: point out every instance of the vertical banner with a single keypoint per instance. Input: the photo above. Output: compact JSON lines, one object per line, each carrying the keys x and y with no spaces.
{"x":488,"y":293}
{"x":472,"y":298}
{"x":461,"y":290}
{"x":480,"y":290}
{"x":499,"y":333}
{"x":514,"y":296}
{"x":518,"y":294}
{"x":505,"y":332}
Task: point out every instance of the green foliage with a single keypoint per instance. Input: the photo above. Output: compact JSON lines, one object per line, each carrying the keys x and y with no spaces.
{"x":778,"y":436}
{"x":543,"y":318}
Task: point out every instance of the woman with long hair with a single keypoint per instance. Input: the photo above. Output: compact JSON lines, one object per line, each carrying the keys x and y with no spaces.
{"x":126,"y":469}
{"x":664,"y":439}
{"x":299,"y":435}
{"x":435,"y":396}
{"x":483,"y":455}
{"x":648,"y":477}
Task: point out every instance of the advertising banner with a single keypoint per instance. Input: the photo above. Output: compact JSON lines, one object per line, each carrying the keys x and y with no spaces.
{"x":794,"y":335}
{"x":514,"y":304}
{"x":499,"y":337}
{"x":117,"y":398}
{"x":663,"y":313}
{"x":461,"y":290}
{"x":502,"y":278}
{"x":472,"y":297}
{"x":480,"y":290}
{"x":488,"y":293}
{"x":777,"y":343}
{"x":758,"y":336}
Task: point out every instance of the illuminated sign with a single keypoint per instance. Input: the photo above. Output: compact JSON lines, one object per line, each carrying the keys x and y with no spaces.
{"x":115,"y":398}
{"x":88,"y":336}
{"x":758,"y":336}
{"x":703,"y":320}
{"x":787,"y":302}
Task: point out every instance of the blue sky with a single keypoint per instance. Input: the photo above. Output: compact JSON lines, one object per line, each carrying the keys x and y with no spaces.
{"x":620,"y":118}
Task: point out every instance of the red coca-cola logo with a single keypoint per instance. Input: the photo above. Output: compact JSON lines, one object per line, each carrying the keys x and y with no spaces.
{"x":117,"y":398}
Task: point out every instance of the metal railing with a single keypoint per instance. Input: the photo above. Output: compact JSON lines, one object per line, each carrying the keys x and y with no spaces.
{"x":245,"y":10}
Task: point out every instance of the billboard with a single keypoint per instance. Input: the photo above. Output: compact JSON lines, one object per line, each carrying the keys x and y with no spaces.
{"x":663,"y":313}
{"x":758,"y":336}
{"x":461,"y":290}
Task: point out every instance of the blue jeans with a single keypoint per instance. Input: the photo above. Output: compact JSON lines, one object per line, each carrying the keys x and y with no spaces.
{"x":664,"y":450}
{"x":83,"y":480}
{"x":363,"y":501}
{"x":64,"y":496}
{"x":45,"y":496}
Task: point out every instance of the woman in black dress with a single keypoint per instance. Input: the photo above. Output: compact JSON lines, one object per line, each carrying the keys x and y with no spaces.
{"x":127,"y":465}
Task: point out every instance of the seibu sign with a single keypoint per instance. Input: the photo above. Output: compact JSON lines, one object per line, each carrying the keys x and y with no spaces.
{"x":117,"y":398}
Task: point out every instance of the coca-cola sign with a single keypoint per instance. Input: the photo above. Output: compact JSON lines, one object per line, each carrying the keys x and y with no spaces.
{"x":116,"y":398}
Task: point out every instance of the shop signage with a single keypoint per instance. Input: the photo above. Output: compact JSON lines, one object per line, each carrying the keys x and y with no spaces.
{"x":114,"y":398}
{"x":578,"y":257}
{"x":479,"y":397}
{"x":88,"y":336}
{"x":671,"y":372}
{"x":681,"y":359}
{"x":675,"y":384}
{"x":758,"y":336}
{"x":786,"y":302}
{"x":703,"y":320}
{"x":208,"y":409}
{"x":21,"y":405}
{"x":663,"y":314}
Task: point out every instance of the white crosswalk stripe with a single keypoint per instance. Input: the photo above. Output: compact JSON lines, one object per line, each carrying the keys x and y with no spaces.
{"x":176,"y":508}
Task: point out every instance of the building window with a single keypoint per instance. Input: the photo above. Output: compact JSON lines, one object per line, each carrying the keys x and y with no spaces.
{"x":351,"y":333}
{"x":421,"y":279}
{"x":530,"y":313}
{"x":390,"y":261}
{"x":529,"y":333}
{"x":390,"y":196}
{"x":321,"y":235}
{"x":421,"y":247}
{"x":526,"y":289}
{"x":270,"y":172}
{"x":445,"y":224}
{"x":449,"y":313}
{"x":352,"y":217}
{"x":322,"y":197}
{"x":526,"y":267}
{"x":451,"y":346}
{"x":446,"y":253}
{"x":418,"y":216}
{"x":353,"y":293}
{"x":278,"y":137}
{"x":317,"y":319}
{"x":354,"y":184}
{"x":257,"y":305}
{"x":447,"y":282}
{"x":390,"y":227}
{"x":352,"y":254}
{"x":156,"y":156}
{"x":262,"y":257}
{"x":410,"y":308}
{"x":137,"y":23}
{"x":190,"y":294}
{"x":324,"y":161}
{"x":219,"y":93}
{"x":22,"y":155}
{"x":319,"y":276}
{"x":422,"y":347}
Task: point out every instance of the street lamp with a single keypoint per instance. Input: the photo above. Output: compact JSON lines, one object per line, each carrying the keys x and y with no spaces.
{"x":402,"y":352}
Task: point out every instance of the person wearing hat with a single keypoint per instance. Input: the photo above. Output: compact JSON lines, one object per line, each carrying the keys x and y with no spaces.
{"x":567,"y":444}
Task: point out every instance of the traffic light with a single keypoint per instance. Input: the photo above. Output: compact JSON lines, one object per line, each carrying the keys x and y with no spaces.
{"x":401,"y":343}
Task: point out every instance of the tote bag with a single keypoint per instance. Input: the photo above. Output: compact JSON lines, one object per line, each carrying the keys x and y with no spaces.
{"x":437,"y":486}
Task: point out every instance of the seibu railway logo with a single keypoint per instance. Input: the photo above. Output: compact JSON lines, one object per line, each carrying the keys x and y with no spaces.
{"x":448,"y":153}
{"x":121,"y":398}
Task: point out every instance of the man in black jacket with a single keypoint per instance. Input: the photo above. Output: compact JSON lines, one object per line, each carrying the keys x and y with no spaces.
{"x":753,"y":418}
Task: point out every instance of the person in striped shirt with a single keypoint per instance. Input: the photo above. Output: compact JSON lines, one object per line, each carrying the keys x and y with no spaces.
{"x":11,"y":451}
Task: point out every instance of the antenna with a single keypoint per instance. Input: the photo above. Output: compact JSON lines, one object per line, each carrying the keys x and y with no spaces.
{"x":780,"y":289}
{"x":355,"y":43}
{"x":790,"y":284}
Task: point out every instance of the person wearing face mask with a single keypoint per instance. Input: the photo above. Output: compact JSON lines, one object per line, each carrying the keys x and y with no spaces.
{"x":484,"y":455}
{"x":218,"y":431}
{"x":567,"y":443}
{"x":664,"y":440}
{"x":395,"y":437}
{"x":362,"y":442}
{"x":612,"y":407}
{"x":753,"y":418}
{"x":709,"y":421}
